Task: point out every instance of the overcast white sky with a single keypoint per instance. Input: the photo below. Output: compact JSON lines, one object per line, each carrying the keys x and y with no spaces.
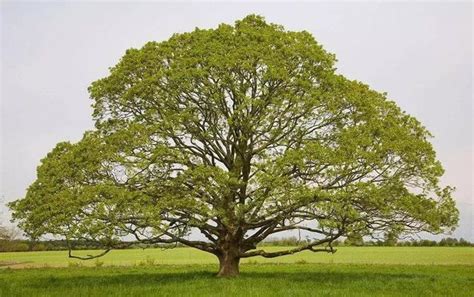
{"x":420,"y":53}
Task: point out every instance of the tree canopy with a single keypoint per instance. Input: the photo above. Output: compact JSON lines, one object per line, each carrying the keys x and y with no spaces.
{"x":237,"y":133}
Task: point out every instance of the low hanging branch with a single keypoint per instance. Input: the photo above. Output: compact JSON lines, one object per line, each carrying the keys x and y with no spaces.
{"x":88,"y":257}
{"x":309,"y":247}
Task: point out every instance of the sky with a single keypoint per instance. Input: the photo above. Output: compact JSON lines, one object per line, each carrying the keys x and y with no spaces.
{"x":420,"y":53}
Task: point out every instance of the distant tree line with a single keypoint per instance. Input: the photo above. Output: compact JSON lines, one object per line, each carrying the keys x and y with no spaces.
{"x":448,"y":241}
{"x":22,"y":245}
{"x":10,"y":241}
{"x":356,"y":240}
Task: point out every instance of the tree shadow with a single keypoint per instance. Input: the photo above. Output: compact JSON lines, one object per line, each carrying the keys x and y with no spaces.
{"x":117,"y":278}
{"x":328,"y":276}
{"x":161,"y":277}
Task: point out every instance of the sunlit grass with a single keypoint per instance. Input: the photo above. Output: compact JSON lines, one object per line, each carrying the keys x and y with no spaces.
{"x":181,"y":256}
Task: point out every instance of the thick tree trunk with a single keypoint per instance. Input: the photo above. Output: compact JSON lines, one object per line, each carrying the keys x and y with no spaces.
{"x":228,"y":265}
{"x":228,"y":252}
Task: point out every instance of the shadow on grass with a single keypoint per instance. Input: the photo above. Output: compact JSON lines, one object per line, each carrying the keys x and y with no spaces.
{"x":108,"y":277}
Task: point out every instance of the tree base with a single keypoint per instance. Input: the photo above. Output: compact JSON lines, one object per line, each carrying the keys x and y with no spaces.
{"x":228,"y":267}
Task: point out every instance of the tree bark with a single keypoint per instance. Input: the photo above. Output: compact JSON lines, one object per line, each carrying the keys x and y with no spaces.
{"x":228,"y":265}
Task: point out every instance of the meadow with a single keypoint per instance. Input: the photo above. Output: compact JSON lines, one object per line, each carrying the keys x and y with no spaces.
{"x":351,"y":271}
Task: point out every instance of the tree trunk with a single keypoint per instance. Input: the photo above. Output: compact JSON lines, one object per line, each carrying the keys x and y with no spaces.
{"x":228,"y":265}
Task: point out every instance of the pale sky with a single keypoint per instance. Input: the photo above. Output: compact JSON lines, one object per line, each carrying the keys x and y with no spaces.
{"x":420,"y":53}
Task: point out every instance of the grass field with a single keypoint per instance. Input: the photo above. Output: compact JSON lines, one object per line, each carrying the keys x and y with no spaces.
{"x":352,"y":271}
{"x":188,"y":256}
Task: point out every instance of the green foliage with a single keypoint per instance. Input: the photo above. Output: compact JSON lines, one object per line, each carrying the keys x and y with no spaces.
{"x":354,"y":239}
{"x":13,"y":246}
{"x":238,"y":133}
{"x":285,"y":241}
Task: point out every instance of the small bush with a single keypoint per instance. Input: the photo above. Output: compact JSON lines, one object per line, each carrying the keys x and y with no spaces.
{"x":98,"y":263}
{"x":150,"y":261}
{"x":74,"y":264}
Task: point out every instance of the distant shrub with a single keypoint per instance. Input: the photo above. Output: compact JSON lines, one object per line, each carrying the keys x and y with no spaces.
{"x":287,"y":241}
{"x":98,"y":263}
{"x":39,"y":247}
{"x":74,"y":264}
{"x":150,"y":261}
{"x":354,"y":239}
{"x":13,"y":246}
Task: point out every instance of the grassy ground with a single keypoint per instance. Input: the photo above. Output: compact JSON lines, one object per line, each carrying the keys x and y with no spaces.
{"x":185,"y":256}
{"x":365,"y":271}
{"x":255,"y":280}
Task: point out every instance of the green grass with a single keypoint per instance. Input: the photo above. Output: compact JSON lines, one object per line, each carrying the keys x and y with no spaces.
{"x":255,"y":280}
{"x":352,"y":271}
{"x":185,"y":256}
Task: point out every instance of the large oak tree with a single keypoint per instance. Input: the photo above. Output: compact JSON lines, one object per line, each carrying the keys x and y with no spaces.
{"x":237,"y":133}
